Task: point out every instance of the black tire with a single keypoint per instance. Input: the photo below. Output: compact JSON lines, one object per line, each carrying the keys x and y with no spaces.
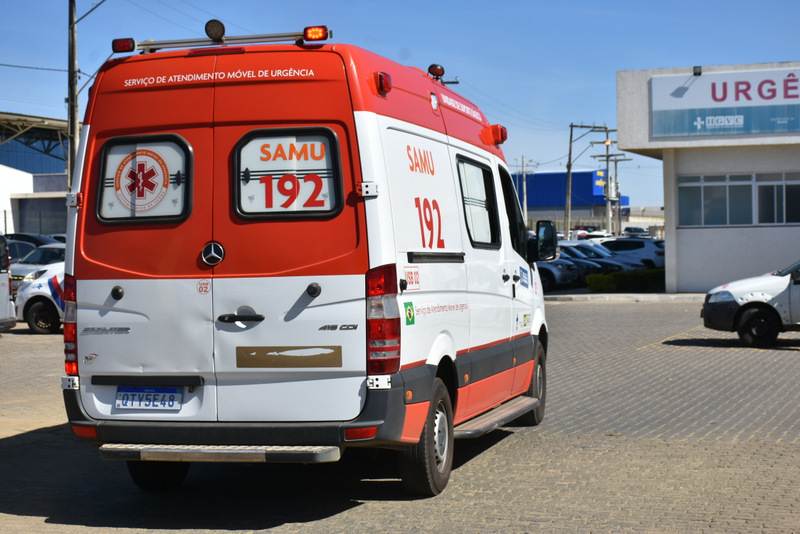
{"x":537,"y":389}
{"x":759,"y":327}
{"x":425,"y":467}
{"x":42,"y":318}
{"x":548,"y":281}
{"x":158,"y":476}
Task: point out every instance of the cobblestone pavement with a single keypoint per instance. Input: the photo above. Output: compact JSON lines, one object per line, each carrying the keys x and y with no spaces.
{"x":654,"y":424}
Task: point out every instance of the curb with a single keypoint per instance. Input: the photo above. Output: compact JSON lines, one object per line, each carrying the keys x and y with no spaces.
{"x":624,"y":297}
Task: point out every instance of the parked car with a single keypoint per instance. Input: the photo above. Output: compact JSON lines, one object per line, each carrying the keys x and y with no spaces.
{"x":7,"y":320}
{"x":584,"y":265}
{"x":36,"y":239}
{"x":61,"y":238}
{"x":606,"y":265}
{"x":35,"y":260}
{"x":595,"y":250}
{"x":758,"y":308}
{"x":635,"y":231}
{"x":557,"y":274}
{"x":19,"y":249}
{"x":40,"y":299}
{"x":649,"y":251}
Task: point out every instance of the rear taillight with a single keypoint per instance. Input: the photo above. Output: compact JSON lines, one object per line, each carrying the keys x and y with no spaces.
{"x":70,"y":327}
{"x":383,"y":321}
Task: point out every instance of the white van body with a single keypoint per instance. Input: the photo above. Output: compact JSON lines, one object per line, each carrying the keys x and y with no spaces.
{"x":757,"y":308}
{"x":249,"y":281}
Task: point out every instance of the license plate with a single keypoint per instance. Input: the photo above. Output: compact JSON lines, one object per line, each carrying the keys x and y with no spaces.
{"x":149,"y":398}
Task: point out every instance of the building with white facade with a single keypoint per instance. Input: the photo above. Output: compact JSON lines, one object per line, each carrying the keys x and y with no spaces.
{"x":729,"y":140}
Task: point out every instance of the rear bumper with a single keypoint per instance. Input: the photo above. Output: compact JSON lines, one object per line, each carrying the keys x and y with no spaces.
{"x":384,"y":410}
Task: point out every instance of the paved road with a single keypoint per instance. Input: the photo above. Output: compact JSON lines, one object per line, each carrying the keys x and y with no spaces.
{"x":654,"y":424}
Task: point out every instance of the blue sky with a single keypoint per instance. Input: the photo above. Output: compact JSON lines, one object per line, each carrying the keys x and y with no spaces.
{"x":534,"y":66}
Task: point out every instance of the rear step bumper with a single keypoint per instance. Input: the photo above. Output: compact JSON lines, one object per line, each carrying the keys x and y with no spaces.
{"x":220,"y":453}
{"x":496,"y":417}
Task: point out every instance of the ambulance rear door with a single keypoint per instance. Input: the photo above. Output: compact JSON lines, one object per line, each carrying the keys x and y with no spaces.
{"x":288,"y":245}
{"x":144,"y":314}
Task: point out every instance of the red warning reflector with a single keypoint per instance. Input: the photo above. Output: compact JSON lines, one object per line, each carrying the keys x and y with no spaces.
{"x":352,"y":434}
{"x":123,"y":45}
{"x":88,"y":432}
{"x":384,"y":83}
{"x":316,"y":33}
{"x":495,"y":134}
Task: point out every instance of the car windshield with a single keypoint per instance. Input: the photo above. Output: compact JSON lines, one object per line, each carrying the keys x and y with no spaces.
{"x":44,"y":255}
{"x":574,"y":253}
{"x":595,"y":251}
{"x":789,"y":270}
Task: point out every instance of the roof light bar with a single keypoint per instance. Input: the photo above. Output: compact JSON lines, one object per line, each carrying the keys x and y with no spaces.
{"x":217,"y":37}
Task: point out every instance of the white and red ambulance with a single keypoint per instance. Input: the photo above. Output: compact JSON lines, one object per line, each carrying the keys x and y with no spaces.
{"x":281,"y":251}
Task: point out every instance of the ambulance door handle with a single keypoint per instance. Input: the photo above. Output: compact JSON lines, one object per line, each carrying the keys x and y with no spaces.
{"x":516,"y":278}
{"x":506,"y":278}
{"x":236,"y":318}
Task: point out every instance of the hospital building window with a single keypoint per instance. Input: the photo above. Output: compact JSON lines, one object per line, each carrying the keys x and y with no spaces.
{"x":739,"y":199}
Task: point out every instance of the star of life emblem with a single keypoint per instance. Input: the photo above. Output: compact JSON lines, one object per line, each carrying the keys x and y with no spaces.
{"x":141,"y":180}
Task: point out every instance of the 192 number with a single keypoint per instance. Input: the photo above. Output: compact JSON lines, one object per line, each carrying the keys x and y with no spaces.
{"x":288,"y":186}
{"x":429,"y":228}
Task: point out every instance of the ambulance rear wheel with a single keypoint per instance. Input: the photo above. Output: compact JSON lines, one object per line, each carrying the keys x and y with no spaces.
{"x":42,"y":318}
{"x":158,"y":476}
{"x":537,"y":389}
{"x":425,"y":467}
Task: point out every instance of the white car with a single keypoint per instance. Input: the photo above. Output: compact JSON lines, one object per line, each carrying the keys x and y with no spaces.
{"x":40,"y":299}
{"x":758,"y":309}
{"x":649,"y":251}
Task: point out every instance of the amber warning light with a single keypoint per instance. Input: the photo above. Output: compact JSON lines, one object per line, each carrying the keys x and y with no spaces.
{"x":317,"y":33}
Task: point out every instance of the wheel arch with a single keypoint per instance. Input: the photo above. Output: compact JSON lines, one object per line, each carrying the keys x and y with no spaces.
{"x":764,"y":306}
{"x":33,"y":300}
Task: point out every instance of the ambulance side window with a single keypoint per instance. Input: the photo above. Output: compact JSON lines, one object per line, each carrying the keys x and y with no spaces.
{"x":288,"y":174}
{"x":145,"y":179}
{"x":480,"y":204}
{"x":516,"y":221}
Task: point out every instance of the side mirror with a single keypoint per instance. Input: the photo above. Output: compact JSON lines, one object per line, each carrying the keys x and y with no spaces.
{"x":544,"y":245}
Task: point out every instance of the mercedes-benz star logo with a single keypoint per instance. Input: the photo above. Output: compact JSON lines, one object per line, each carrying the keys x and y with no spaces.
{"x":213,"y":253}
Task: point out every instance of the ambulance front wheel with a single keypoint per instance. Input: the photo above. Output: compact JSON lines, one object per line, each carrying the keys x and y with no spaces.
{"x":158,"y":476}
{"x":425,"y":467}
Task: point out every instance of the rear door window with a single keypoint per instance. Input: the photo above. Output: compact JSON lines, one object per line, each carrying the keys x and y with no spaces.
{"x":145,"y":179}
{"x":287,"y":174}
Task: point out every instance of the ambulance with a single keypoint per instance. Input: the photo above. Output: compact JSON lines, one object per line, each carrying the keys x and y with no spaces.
{"x":278,"y":251}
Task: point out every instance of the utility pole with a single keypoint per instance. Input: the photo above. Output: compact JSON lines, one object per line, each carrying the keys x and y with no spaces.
{"x":525,"y":190}
{"x":607,"y":190}
{"x":615,"y":158}
{"x":73,"y":133}
{"x":73,"y":128}
{"x":568,"y":204}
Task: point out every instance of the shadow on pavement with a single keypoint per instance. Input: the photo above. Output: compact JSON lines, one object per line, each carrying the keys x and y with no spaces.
{"x":48,"y":473}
